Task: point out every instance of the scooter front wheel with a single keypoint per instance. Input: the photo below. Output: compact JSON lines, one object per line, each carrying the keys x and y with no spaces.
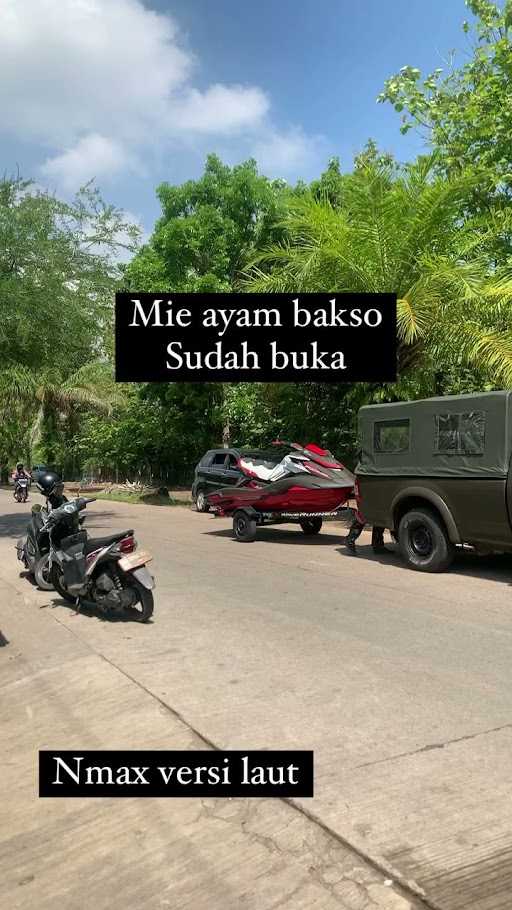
{"x":60,"y":587}
{"x":42,"y":574}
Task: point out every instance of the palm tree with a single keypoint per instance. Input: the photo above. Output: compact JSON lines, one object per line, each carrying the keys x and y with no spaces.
{"x":38,"y":401}
{"x":403,"y":232}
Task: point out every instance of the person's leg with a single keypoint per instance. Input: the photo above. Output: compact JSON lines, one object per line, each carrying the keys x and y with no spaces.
{"x":354,"y":532}
{"x":378,"y":540}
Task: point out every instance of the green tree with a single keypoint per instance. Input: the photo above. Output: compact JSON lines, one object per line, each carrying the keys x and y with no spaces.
{"x":207,"y":229}
{"x":36,"y":407}
{"x":58,"y":271}
{"x":466,"y":115}
{"x":402,"y":232}
{"x":57,"y":275}
{"x":329,"y":187}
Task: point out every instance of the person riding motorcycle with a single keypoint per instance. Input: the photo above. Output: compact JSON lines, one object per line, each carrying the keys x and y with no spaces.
{"x":20,"y":474}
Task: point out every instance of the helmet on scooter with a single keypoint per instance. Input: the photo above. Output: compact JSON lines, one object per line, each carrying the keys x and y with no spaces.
{"x":48,"y":482}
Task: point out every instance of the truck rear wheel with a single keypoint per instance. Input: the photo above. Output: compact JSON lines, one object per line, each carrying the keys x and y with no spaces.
{"x":424,"y":543}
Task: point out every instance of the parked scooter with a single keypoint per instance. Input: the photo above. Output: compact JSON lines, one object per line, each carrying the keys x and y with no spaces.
{"x":21,"y":489}
{"x":105,"y":572}
{"x":34,"y":548}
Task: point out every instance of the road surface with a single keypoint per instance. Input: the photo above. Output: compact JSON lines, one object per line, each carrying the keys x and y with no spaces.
{"x":400,"y":682}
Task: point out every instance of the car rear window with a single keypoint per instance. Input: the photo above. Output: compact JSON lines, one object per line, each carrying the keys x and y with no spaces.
{"x":391,"y":436}
{"x":460,"y":434}
{"x":219,"y":458}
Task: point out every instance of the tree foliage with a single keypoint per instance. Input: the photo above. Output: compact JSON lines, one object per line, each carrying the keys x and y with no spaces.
{"x":207,"y":228}
{"x":434,"y":233}
{"x":402,"y":232}
{"x":58,"y":273}
{"x":464,"y":112}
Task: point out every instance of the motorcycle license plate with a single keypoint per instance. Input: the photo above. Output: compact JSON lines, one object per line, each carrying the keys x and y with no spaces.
{"x":134,"y":560}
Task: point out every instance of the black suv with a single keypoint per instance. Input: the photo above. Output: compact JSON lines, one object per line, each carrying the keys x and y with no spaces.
{"x":218,"y":468}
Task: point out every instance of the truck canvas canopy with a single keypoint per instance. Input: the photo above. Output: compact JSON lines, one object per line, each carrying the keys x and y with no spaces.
{"x":456,"y":435}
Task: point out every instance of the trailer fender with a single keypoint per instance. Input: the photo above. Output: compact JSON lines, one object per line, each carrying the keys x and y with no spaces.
{"x":250,"y":511}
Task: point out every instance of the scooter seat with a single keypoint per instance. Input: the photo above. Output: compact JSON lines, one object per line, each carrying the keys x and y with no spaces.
{"x":97,"y":543}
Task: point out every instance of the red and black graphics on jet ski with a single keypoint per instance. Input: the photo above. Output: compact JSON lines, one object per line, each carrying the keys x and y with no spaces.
{"x":313,"y":449}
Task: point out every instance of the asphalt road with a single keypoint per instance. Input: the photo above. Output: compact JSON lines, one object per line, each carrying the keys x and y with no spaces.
{"x":400,"y":682}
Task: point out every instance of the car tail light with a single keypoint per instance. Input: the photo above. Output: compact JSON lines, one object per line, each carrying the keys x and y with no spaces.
{"x":128,"y":545}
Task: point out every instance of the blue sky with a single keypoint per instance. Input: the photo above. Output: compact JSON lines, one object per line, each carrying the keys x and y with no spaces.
{"x":133,"y":93}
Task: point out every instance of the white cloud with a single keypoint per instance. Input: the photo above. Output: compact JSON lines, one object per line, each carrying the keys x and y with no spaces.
{"x":93,"y":156}
{"x":79,"y":66}
{"x":104,"y":85}
{"x":289,"y":152}
{"x":236,"y":106}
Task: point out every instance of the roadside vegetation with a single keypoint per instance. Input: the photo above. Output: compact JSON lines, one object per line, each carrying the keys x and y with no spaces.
{"x":147,"y":499}
{"x":437,"y":230}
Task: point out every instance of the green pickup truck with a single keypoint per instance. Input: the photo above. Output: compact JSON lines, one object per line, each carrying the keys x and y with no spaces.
{"x":437,"y":474}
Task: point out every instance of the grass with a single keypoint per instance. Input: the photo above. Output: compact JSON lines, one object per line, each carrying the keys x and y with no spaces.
{"x":148,"y":499}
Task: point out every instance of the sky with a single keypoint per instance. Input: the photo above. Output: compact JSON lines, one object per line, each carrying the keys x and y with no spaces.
{"x":136,"y":92}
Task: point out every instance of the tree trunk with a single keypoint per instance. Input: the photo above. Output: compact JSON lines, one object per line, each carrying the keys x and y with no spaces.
{"x":226,"y":433}
{"x":226,"y":429}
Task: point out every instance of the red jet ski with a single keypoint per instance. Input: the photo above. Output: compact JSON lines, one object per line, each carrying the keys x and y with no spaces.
{"x":304,"y":485}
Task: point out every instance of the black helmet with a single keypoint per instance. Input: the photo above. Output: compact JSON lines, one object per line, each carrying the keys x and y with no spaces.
{"x":48,"y":482}
{"x":19,"y":466}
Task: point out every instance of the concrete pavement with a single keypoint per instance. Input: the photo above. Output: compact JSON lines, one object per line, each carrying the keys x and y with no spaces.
{"x":400,"y":682}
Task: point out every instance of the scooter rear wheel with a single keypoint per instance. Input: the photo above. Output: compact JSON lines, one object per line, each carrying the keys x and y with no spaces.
{"x":143,"y":610}
{"x":42,"y":574}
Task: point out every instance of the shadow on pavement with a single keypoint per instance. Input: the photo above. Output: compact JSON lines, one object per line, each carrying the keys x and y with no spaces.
{"x":496,"y":567}
{"x":14,"y":524}
{"x":27,"y":576}
{"x":57,"y":601}
{"x":271,"y":534}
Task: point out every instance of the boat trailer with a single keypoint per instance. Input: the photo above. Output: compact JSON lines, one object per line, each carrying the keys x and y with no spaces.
{"x":246,"y":520}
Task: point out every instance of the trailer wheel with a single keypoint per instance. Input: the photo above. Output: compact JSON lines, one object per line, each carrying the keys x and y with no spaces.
{"x":311,"y":526}
{"x":244,"y":527}
{"x":424,"y":542}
